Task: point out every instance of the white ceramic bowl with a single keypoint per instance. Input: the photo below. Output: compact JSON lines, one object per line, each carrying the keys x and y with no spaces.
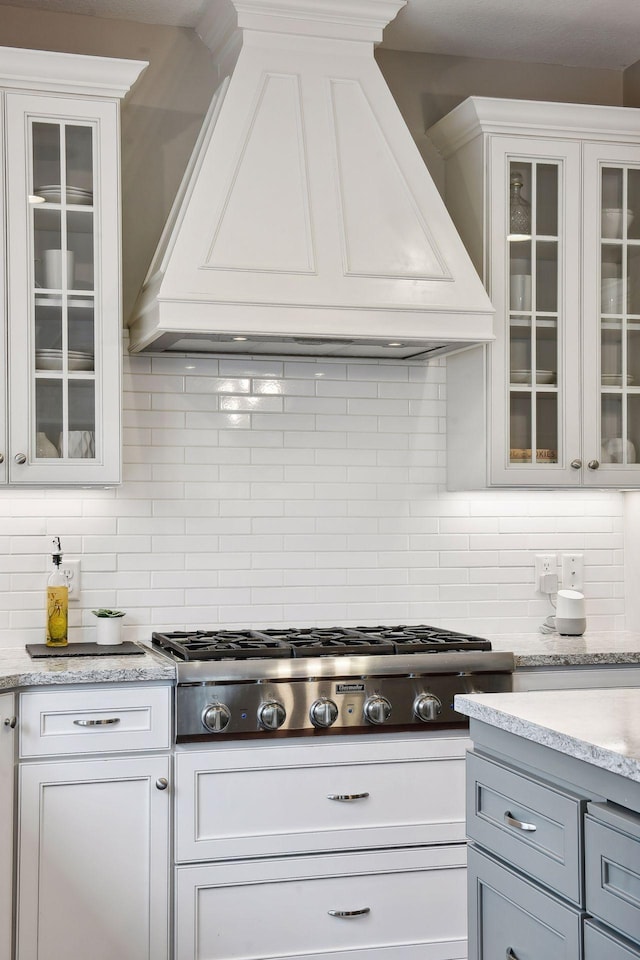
{"x":612,"y":220}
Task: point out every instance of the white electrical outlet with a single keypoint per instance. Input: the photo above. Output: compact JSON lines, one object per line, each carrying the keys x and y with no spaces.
{"x":572,"y":571}
{"x":70,"y":570}
{"x":546,"y":566}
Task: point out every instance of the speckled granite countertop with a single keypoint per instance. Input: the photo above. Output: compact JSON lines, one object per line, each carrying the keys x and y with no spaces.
{"x":552,"y":650}
{"x":17,"y":669}
{"x":574,"y":724}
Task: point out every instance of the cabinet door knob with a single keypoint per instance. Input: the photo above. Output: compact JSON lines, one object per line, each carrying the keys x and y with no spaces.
{"x":593,"y":464}
{"x":510,"y":955}
{"x":576,"y":464}
{"x":10,"y":722}
{"x":162,"y":783}
{"x":20,"y":458}
{"x":1,"y":457}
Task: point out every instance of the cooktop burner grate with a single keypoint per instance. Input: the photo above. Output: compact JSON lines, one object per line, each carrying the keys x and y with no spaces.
{"x":220,"y":645}
{"x":426,"y":639}
{"x":301,"y":642}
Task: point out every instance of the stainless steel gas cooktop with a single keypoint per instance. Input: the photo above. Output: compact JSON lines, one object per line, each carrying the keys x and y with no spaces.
{"x":312,"y":680}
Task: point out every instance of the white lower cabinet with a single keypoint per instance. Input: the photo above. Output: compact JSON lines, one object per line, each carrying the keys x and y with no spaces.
{"x":93,"y":867}
{"x":405,"y":903}
{"x":343,"y":847}
{"x":7,"y":760}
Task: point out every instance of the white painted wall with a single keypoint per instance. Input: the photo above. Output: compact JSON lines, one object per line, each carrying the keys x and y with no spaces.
{"x":276,"y":492}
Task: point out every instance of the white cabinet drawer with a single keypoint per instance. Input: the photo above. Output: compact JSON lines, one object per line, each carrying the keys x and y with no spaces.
{"x":97,"y":720}
{"x":269,"y":800}
{"x":404,"y":903}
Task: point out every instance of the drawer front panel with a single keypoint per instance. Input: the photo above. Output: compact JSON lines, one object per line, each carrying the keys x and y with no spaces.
{"x":95,"y":721}
{"x":612,"y":860}
{"x":528,"y":823}
{"x":230,"y":806}
{"x":602,"y":944}
{"x":310,"y":907}
{"x":509,"y":917}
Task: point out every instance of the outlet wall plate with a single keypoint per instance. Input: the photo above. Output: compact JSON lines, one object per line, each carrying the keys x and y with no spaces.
{"x":572,"y":571}
{"x":546,"y":563}
{"x":70,"y":569}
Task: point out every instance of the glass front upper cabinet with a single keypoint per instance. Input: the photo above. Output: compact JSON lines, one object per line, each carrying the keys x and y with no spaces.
{"x":63,"y":294}
{"x":535,"y":321}
{"x":62,"y":317}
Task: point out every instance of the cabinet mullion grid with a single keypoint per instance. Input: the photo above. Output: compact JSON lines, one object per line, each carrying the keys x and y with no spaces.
{"x":65,"y":291}
{"x":537,"y":389}
{"x":534,"y":315}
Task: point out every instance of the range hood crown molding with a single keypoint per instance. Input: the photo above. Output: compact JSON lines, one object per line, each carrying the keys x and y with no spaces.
{"x":306,"y":211}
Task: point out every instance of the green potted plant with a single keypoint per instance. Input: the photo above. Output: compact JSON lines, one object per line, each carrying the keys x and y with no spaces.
{"x":108,"y":626}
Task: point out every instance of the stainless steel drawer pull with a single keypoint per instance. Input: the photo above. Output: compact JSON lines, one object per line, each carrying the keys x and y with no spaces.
{"x":510,"y":955}
{"x":96,"y":723}
{"x":518,"y":824}
{"x":349,"y":913}
{"x":347,"y":797}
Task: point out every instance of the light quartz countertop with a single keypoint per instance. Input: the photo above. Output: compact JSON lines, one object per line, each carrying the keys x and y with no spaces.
{"x":17,"y":669}
{"x":599,"y":727}
{"x":552,"y":650}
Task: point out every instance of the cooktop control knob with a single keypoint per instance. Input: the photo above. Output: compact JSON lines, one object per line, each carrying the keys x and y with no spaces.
{"x":271,"y":715}
{"x":377,"y":709}
{"x":216,"y":717}
{"x":427,"y":707}
{"x":323,"y":713}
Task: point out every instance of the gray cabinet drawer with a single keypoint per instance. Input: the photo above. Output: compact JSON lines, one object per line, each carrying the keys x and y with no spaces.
{"x":602,"y":944}
{"x":509,"y":917}
{"x":531,"y":824}
{"x":612,"y":867}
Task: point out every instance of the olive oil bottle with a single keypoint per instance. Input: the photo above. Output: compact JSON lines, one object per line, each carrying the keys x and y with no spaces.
{"x":57,"y":601}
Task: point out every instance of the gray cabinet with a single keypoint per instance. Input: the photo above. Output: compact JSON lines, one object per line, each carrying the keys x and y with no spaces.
{"x":513,"y":918}
{"x":602,"y":944}
{"x":527,"y":822}
{"x":612,"y":867}
{"x":554,"y":858}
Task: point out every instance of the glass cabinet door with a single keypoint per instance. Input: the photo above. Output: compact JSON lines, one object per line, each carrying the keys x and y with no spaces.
{"x":619,"y":311}
{"x":534,"y":270}
{"x":62,"y":291}
{"x":63,"y":268}
{"x":534,"y":278}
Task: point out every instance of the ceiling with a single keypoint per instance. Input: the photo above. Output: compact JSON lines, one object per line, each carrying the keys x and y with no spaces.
{"x":580,"y":33}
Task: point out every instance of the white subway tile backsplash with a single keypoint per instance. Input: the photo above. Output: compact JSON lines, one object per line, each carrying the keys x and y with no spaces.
{"x":284,"y":388}
{"x":266,"y":491}
{"x":217,"y":385}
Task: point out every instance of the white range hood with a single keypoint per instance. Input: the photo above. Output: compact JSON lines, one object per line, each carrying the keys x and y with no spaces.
{"x":307,"y":223}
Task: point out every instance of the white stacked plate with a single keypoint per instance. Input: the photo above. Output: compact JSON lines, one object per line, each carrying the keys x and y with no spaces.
{"x":52,"y":193}
{"x":52,"y":360}
{"x":615,"y":379}
{"x":524,"y":376}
